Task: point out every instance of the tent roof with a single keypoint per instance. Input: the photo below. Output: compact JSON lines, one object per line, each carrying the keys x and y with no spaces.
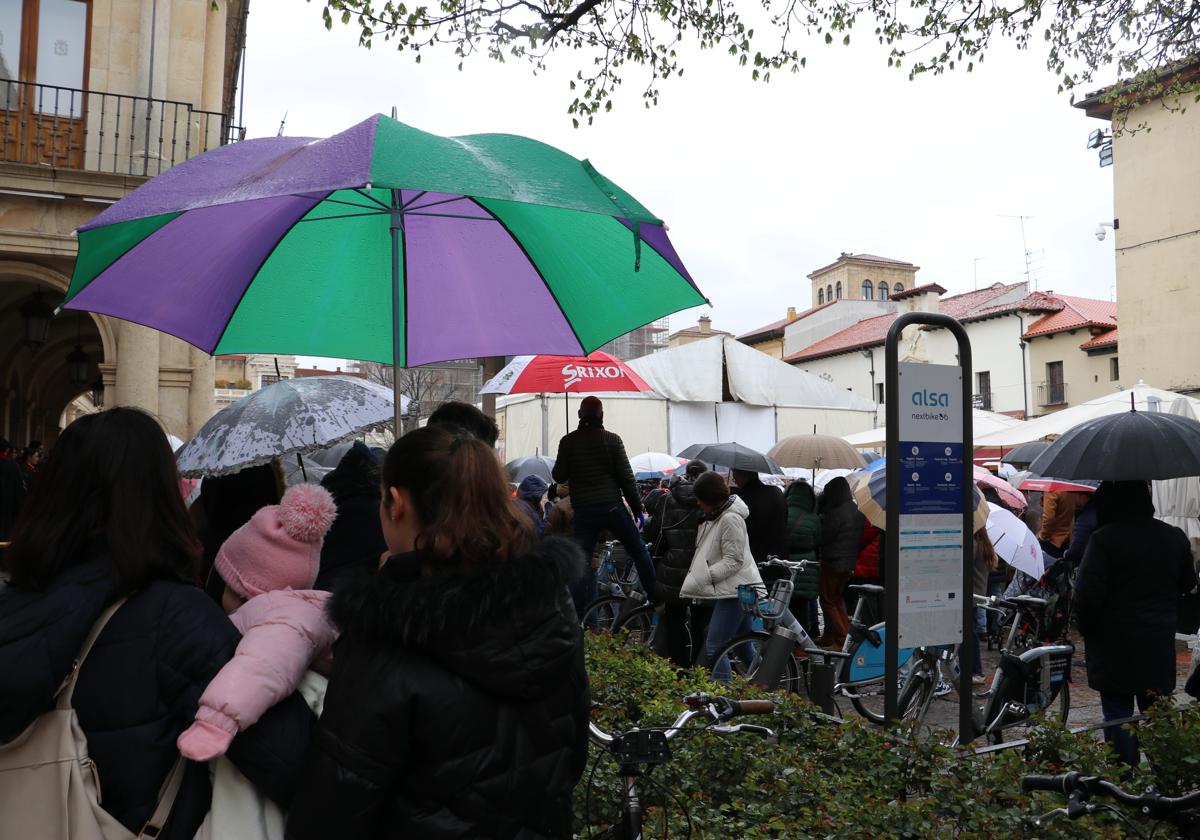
{"x":984,"y":423}
{"x":696,"y":372}
{"x":1145,"y":398}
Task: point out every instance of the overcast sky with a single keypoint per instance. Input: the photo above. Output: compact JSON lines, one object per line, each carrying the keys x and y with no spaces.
{"x":759,"y":183}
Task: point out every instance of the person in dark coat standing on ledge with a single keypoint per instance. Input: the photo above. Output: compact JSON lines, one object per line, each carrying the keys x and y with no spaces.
{"x":592,"y":460}
{"x":1126,"y":592}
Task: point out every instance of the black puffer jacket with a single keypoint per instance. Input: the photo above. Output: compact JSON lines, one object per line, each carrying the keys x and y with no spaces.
{"x":355,"y":541}
{"x":671,"y":534}
{"x":138,"y":689}
{"x":766,"y":526}
{"x":457,"y":707}
{"x":593,"y":461}
{"x":841,"y":527}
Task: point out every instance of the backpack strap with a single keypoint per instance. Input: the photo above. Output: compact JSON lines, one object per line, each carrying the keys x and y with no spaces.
{"x":67,"y":690}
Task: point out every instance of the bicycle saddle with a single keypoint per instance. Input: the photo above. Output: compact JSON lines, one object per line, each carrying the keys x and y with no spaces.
{"x":866,"y":589}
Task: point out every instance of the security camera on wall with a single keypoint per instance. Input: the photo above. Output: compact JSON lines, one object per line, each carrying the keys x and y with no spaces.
{"x":1101,"y":232}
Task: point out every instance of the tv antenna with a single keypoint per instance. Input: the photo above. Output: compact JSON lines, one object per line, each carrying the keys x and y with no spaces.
{"x":282,"y":123}
{"x":1030,"y":279}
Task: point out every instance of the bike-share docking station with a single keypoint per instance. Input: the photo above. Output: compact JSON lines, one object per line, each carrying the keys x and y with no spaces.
{"x":929,"y":558}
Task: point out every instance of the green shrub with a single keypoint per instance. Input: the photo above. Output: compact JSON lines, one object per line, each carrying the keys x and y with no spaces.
{"x":821,"y":780}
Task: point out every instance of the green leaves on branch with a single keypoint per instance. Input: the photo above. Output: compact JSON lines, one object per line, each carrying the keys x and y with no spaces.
{"x":1137,"y":38}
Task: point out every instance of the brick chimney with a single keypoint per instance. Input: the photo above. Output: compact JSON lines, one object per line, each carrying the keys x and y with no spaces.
{"x":705,"y":324}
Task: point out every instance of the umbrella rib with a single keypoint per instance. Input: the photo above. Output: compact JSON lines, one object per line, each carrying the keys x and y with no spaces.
{"x":413,"y":206}
{"x":406,"y":204}
{"x":373,"y":200}
{"x":347,"y":203}
{"x":343,"y":216}
{"x":450,"y":216}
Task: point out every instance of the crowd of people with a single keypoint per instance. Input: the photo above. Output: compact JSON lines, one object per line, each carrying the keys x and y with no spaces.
{"x":436,"y":609}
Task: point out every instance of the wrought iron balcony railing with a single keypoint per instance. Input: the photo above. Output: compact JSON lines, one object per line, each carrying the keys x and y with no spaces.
{"x":69,"y":128}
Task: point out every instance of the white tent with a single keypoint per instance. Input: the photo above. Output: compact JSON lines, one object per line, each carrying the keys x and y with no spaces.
{"x":1177,"y":500}
{"x":1144,"y":397}
{"x":984,"y":423}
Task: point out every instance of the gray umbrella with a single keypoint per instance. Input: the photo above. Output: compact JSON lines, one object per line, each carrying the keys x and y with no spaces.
{"x":538,"y":465}
{"x":1131,"y":446}
{"x":732,"y":456}
{"x":1026,"y":453}
{"x":286,"y":417}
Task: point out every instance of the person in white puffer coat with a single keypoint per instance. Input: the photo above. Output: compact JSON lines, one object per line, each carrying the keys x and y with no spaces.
{"x":721,"y":564}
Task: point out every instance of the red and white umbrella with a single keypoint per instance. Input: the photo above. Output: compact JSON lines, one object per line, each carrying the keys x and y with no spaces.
{"x":1008,"y":494}
{"x":1057,"y":485}
{"x":565,"y":375}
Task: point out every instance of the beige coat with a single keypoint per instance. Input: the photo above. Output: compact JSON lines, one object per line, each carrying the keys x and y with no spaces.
{"x":722,"y":561}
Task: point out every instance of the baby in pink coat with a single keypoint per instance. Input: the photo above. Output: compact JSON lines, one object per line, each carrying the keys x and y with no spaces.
{"x":269,"y":566}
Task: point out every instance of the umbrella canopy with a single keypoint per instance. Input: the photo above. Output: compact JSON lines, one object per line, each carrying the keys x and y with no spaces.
{"x":1026,"y":453}
{"x":292,"y":415}
{"x":538,"y":465}
{"x":815,"y":452}
{"x":1008,"y":494}
{"x":655,"y":462}
{"x":1039,"y":484}
{"x":1130,"y":446}
{"x":732,"y":456}
{"x":1144,"y":397}
{"x":544,"y":374}
{"x":823,"y":477}
{"x":870,"y":493}
{"x":384,"y":243}
{"x":1015,"y":544}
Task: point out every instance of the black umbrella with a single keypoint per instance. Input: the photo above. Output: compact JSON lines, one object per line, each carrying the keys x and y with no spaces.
{"x":732,"y":456}
{"x":1131,"y":446}
{"x":538,"y":465}
{"x":1026,"y":453}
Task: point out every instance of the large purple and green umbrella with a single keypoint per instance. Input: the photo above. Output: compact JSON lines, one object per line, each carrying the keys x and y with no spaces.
{"x":383,"y":243}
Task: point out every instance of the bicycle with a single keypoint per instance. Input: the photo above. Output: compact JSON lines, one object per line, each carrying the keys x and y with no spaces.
{"x":778,"y":655}
{"x":622,"y":604}
{"x":1027,"y":683}
{"x":1179,"y":811}
{"x":637,"y":751}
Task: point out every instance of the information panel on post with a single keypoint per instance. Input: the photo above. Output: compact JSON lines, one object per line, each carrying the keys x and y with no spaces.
{"x":931,"y":505}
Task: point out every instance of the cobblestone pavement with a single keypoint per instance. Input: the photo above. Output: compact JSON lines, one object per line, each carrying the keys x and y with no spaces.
{"x":1085,"y":703}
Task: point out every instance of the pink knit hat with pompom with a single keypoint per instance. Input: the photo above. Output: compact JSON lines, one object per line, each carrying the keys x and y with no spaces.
{"x":280,"y":547}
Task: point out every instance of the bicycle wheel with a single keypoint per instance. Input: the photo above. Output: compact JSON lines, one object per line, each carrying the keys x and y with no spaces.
{"x":745,"y":654}
{"x":602,"y":613}
{"x":640,"y":624}
{"x":867,"y":696}
{"x":1057,"y":708}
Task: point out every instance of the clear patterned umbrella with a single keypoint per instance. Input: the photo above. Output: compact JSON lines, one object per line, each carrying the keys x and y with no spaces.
{"x":286,"y":417}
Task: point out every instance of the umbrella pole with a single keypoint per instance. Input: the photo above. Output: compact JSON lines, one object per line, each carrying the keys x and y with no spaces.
{"x":397,"y":256}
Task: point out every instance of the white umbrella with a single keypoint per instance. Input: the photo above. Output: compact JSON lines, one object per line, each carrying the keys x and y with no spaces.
{"x":286,"y":417}
{"x":825,"y":476}
{"x":1144,"y":397}
{"x":654,"y":462}
{"x":1015,"y":544}
{"x":1177,"y":500}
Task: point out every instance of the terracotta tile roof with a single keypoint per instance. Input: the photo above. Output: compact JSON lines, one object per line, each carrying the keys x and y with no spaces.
{"x":1076,"y":313}
{"x":873,"y":331}
{"x":303,"y":372}
{"x":1036,"y":302}
{"x":1105,"y":339}
{"x":918,"y":290}
{"x":868,"y":258}
{"x":767,"y":332}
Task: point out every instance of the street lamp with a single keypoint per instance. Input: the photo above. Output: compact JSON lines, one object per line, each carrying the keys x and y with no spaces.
{"x":37,"y":314}
{"x":97,"y":393}
{"x":77,"y":365}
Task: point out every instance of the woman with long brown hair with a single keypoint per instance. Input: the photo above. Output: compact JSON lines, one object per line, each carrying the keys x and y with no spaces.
{"x":458,"y":703}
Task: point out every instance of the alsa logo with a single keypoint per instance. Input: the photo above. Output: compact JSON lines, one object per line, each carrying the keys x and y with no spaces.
{"x":931,"y":399}
{"x":576,"y":373}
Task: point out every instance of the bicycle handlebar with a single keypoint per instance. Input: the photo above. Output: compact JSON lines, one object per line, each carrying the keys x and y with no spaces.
{"x":1080,"y":787}
{"x":701,"y":705}
{"x":752,"y":707}
{"x":793,"y":565}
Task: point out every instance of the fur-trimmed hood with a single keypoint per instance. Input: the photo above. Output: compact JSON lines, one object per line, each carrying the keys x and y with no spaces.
{"x":508,"y":628}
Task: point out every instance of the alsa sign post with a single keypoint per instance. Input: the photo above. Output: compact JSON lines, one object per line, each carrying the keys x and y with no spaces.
{"x":930,"y":550}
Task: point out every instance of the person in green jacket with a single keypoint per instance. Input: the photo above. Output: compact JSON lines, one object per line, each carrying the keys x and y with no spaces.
{"x":803,"y":540}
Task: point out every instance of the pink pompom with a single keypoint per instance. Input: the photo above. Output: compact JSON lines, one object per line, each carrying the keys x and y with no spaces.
{"x":306,"y":512}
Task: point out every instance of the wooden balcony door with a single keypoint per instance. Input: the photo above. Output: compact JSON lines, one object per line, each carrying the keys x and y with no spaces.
{"x":44,"y":49}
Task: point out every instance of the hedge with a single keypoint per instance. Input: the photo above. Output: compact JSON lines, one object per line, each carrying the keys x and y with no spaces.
{"x":854,"y":780}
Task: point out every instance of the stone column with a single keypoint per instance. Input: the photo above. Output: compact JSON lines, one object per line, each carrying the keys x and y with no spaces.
{"x":201,"y":398}
{"x":137,"y":375}
{"x":174,"y":384}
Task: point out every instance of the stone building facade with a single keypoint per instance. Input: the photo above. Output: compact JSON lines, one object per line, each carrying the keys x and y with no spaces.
{"x":95,"y":98}
{"x":861,"y":277}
